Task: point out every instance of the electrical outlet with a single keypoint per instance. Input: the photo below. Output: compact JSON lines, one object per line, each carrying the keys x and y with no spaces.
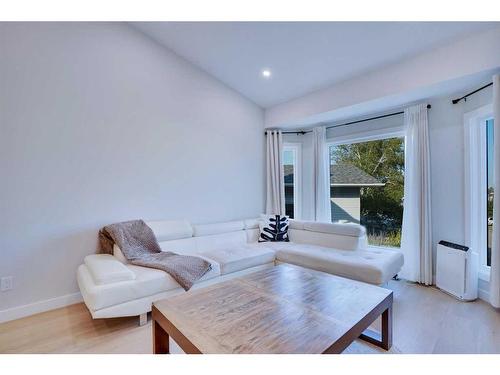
{"x":6,"y":283}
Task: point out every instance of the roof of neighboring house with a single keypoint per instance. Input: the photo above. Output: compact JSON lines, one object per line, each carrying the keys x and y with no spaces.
{"x":341,"y":175}
{"x":349,"y":175}
{"x":288,"y":174}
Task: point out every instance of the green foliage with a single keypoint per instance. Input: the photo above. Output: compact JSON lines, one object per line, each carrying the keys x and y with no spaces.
{"x":391,"y":239}
{"x":490,"y":202}
{"x":381,"y":207}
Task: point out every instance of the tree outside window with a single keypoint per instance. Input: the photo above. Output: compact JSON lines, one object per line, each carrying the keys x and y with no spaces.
{"x":370,"y":175}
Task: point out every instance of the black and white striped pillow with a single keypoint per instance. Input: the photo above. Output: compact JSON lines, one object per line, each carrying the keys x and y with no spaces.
{"x":273,"y":228}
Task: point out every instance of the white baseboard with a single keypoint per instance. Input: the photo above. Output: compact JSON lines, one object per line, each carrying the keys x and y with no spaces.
{"x":484,"y":295}
{"x":40,"y":306}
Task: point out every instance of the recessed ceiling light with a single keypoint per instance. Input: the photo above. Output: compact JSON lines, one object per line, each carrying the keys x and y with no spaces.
{"x":266,"y":73}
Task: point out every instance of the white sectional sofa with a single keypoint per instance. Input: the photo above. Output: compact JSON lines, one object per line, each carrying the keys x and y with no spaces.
{"x":112,"y":288}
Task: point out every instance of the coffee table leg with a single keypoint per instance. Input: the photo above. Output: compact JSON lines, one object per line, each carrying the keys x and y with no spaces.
{"x":387,"y":328}
{"x":160,"y":339}
{"x":383,"y":340}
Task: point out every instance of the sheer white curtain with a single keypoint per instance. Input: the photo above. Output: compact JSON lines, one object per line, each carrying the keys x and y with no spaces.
{"x":275,"y":187}
{"x":416,"y":237}
{"x":321,"y":169}
{"x":495,"y":248}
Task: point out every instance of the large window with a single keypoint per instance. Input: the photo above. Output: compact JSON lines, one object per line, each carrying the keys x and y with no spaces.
{"x":291,"y":166}
{"x":479,"y":185}
{"x":490,"y":190}
{"x":367,"y":186}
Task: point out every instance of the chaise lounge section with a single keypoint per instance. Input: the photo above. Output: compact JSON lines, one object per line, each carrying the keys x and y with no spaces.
{"x":112,"y":288}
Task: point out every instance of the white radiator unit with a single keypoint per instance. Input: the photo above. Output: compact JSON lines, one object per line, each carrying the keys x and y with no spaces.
{"x":456,"y":270}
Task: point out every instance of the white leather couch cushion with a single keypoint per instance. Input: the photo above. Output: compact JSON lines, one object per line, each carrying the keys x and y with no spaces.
{"x":220,"y":241}
{"x":217,"y":228}
{"x":327,"y":239}
{"x":371,"y":266}
{"x":235,"y":259}
{"x":353,"y":230}
{"x":196,"y":245}
{"x":296,"y":224}
{"x":252,"y":223}
{"x":106,"y":269}
{"x":171,"y":229}
{"x":252,"y":235}
{"x":186,"y":246}
{"x":148,"y":281}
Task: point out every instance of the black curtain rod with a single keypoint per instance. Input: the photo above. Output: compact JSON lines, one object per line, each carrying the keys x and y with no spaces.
{"x":302,"y":132}
{"x":464,"y":98}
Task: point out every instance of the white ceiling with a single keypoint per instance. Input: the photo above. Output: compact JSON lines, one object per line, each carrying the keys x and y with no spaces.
{"x":303,"y":56}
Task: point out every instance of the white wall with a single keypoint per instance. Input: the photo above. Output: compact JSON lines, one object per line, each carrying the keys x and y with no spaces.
{"x":100,"y":124}
{"x":446,"y":133}
{"x":393,"y":85}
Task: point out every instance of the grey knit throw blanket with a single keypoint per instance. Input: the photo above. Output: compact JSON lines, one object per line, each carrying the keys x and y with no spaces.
{"x":138,"y":244}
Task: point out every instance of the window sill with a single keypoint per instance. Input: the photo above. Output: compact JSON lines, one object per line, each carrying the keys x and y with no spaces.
{"x":376,"y":247}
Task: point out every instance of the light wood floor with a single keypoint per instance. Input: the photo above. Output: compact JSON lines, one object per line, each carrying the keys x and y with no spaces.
{"x":425,"y":321}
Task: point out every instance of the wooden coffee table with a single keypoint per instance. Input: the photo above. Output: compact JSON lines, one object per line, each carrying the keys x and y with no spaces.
{"x":283,"y":309}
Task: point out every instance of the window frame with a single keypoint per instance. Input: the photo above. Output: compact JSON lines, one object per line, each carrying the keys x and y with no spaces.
{"x":367,"y":136}
{"x":475,"y":164}
{"x":296,"y":148}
